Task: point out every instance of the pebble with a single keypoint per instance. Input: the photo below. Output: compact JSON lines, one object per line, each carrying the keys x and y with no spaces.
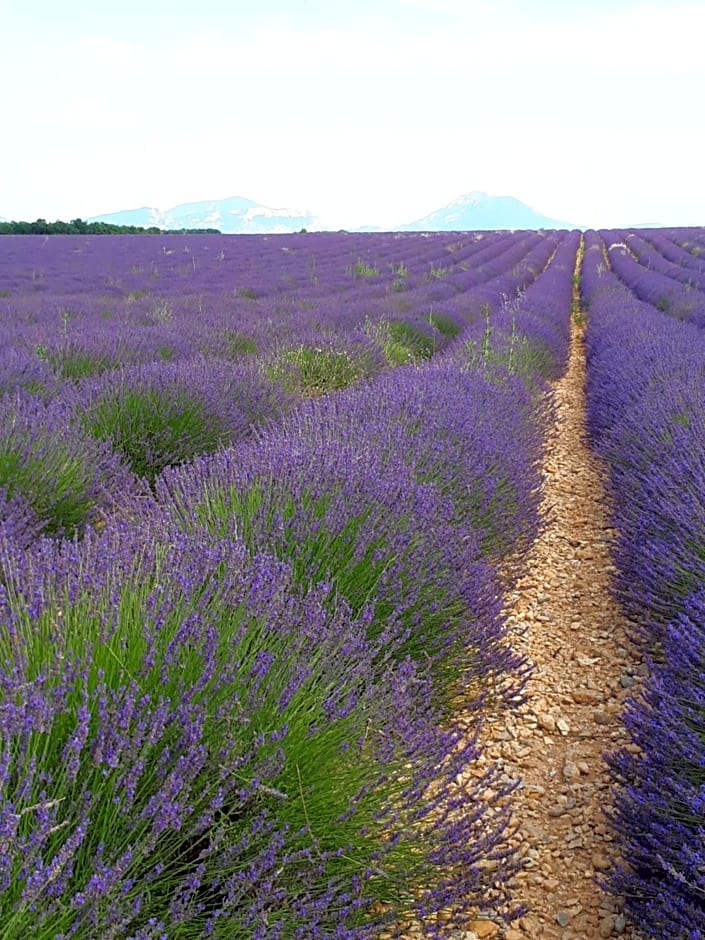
{"x":483,"y":928}
{"x":529,"y":924}
{"x":585,"y":697}
{"x":600,"y":861}
{"x":560,"y":809}
{"x":583,"y":666}
{"x":546,"y":721}
{"x":605,"y":929}
{"x":570,"y":770}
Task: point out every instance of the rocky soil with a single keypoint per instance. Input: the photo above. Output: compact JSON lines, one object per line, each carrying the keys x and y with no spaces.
{"x":563,"y":618}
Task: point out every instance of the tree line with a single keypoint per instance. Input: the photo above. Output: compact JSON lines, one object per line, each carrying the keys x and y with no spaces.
{"x":81,"y":227}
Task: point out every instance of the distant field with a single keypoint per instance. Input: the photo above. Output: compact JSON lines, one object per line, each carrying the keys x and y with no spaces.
{"x":258,"y":495}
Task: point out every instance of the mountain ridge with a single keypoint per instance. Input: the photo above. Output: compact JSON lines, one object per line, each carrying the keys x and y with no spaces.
{"x":473,"y":211}
{"x":478,"y":211}
{"x":235,"y":215}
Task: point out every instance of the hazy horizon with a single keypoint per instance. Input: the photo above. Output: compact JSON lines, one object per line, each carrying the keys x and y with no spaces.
{"x":366,"y":113}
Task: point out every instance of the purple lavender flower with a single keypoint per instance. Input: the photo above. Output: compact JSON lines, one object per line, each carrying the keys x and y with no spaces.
{"x":175,"y":753}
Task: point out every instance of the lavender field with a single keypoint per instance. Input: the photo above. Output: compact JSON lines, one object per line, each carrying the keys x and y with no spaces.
{"x":261,"y":500}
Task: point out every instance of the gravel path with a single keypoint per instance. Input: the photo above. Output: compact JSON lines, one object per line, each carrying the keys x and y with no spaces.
{"x":563,"y":618}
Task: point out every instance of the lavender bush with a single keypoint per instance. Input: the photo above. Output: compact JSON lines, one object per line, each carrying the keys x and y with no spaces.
{"x":645,"y":392}
{"x":160,"y":415}
{"x":64,"y":479}
{"x":339,"y":510}
{"x":228,"y":712}
{"x":192,"y":748}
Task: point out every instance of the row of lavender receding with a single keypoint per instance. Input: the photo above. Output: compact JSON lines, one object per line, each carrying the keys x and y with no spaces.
{"x":674,"y":288}
{"x":227,"y":710}
{"x":96,"y":407}
{"x":84,"y":306}
{"x":646,"y":386}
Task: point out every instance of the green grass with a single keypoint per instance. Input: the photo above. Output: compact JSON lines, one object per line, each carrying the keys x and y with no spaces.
{"x":516,"y":355}
{"x":74,"y":363}
{"x":153,"y":430}
{"x":52,"y":479}
{"x":445,"y":325}
{"x":310,"y":370}
{"x":239,"y":344}
{"x":362,"y":268}
{"x":405,"y":343}
{"x":436,"y":272}
{"x":249,"y":293}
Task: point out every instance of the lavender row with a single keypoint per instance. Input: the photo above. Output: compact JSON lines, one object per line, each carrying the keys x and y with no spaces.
{"x":81,"y":326}
{"x":262,"y":265}
{"x":649,"y":256}
{"x":319,"y":712}
{"x":529,"y":332}
{"x":681,"y":300}
{"x":160,"y":413}
{"x":225,"y":708}
{"x":645,"y":393}
{"x":692,"y":241}
{"x":195,"y":745}
{"x":669,"y":243}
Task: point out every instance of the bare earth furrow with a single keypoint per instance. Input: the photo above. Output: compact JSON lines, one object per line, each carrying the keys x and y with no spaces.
{"x":563,"y":618}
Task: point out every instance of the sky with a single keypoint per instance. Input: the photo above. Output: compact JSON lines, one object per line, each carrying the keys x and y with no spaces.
{"x":364,"y":112}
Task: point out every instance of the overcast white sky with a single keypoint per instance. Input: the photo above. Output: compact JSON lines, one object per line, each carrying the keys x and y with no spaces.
{"x":371,"y":111}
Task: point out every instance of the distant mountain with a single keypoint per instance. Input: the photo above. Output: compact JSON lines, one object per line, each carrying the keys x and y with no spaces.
{"x":144,"y":218}
{"x":478,"y":211}
{"x":475,"y":211}
{"x":234,"y":216}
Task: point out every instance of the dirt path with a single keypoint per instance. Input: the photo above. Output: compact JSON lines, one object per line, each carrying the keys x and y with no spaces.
{"x":563,"y":618}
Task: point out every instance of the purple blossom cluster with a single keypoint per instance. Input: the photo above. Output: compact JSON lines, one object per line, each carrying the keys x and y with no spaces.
{"x":645,"y":393}
{"x":656,"y":252}
{"x":676,"y":245}
{"x":192,"y":743}
{"x":365,"y":489}
{"x":227,"y":699}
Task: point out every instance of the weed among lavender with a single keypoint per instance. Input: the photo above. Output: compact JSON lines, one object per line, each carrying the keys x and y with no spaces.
{"x":403,"y":342}
{"x":72,"y":362}
{"x":153,"y":430}
{"x":325,"y":367}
